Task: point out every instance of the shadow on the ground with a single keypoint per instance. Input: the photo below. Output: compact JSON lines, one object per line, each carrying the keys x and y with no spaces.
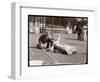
{"x":33,"y":47}
{"x":71,"y":38}
{"x":10,"y":77}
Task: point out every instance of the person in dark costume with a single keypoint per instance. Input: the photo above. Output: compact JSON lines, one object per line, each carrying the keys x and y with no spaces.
{"x":79,"y":30}
{"x":45,"y":39}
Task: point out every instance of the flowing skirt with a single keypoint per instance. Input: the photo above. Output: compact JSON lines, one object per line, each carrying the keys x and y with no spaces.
{"x":67,"y":48}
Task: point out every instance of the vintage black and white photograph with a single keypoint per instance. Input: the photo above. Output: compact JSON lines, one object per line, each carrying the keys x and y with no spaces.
{"x":57,"y":40}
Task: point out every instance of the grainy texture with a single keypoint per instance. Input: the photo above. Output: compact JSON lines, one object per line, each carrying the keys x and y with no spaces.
{"x":51,"y":58}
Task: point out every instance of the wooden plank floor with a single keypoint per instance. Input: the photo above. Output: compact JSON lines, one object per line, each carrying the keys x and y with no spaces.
{"x":51,"y":58}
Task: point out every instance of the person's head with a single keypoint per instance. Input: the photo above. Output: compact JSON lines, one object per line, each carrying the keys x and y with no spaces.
{"x":47,"y":32}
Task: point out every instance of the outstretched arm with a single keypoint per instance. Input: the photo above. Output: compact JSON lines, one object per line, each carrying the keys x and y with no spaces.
{"x":59,"y":36}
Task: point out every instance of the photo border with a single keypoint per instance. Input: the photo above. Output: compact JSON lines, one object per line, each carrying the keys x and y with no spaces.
{"x":57,"y":64}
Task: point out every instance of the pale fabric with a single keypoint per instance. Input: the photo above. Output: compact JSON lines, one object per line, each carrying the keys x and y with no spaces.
{"x":68,"y":30}
{"x":69,"y":49}
{"x":84,"y":34}
{"x":31,"y":27}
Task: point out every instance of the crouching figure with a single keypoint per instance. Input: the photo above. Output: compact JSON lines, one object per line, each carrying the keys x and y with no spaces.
{"x":45,"y":39}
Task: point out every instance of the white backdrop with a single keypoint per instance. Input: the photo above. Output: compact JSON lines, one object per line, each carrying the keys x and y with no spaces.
{"x":5,"y":39}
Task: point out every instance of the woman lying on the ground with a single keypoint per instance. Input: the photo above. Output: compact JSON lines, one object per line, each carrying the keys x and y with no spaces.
{"x":66,"y":49}
{"x":55,"y":45}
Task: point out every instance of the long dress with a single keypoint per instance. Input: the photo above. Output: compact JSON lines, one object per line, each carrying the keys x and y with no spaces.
{"x":84,"y":33}
{"x":67,"y":48}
